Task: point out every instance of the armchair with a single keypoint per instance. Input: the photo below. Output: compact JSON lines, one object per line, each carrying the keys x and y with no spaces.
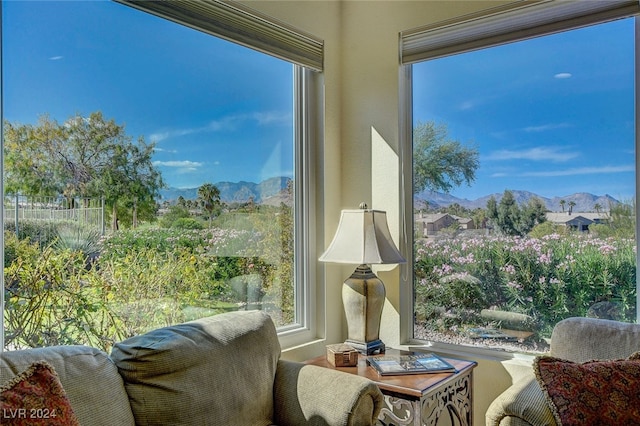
{"x":573,"y":339}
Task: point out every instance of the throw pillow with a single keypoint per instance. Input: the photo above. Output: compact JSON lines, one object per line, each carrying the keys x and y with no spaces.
{"x":35,"y":397}
{"x":592,"y":393}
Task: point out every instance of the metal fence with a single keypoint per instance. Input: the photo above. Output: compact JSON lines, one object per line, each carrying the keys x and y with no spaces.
{"x":87,"y":212}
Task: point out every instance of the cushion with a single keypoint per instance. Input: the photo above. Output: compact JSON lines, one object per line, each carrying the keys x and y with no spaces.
{"x":36,"y":397}
{"x":218,"y":370}
{"x":88,"y":377}
{"x":590,"y":393}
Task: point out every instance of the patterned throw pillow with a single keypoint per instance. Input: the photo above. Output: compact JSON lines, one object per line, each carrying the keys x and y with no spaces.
{"x":35,"y":397}
{"x":592,"y":393}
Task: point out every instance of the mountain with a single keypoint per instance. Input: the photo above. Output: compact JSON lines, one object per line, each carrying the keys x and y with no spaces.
{"x":236,"y":192}
{"x":584,"y":202}
{"x":273,"y":192}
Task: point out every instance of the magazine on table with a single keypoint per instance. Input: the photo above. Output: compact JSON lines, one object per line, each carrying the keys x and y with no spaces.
{"x":416,"y":363}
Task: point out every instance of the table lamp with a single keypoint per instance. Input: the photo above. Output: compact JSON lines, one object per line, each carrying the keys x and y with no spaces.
{"x":363,"y":238}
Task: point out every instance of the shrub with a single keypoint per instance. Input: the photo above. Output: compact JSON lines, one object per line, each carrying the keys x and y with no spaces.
{"x":174,"y":213}
{"x":52,"y":299}
{"x":78,"y":238}
{"x":37,"y":231}
{"x":549,"y":278}
{"x":187,"y":223}
{"x":142,"y":279}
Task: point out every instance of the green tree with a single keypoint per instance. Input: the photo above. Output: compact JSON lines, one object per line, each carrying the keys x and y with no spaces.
{"x":511,"y":219}
{"x":479,"y":217}
{"x":457,"y":210}
{"x":440,"y":163}
{"x":85,"y":156}
{"x":504,"y":215}
{"x":29,"y":165}
{"x":209,"y":197}
{"x":130,"y":181}
{"x":621,"y":222}
{"x":532,"y":213}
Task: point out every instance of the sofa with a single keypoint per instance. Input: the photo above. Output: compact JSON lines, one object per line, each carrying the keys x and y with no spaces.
{"x":573,"y":341}
{"x":221,"y":370}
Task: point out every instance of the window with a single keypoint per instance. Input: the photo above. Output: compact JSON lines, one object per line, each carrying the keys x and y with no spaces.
{"x":543,"y":130}
{"x":151,"y":175}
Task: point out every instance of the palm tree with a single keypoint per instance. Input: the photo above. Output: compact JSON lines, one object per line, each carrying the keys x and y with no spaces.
{"x":209,"y":197}
{"x":571,"y":205}
{"x":597,"y":207}
{"x":562,"y":203}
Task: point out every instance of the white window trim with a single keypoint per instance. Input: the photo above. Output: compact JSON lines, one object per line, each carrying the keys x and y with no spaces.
{"x":309,"y":98}
{"x":438,"y":40}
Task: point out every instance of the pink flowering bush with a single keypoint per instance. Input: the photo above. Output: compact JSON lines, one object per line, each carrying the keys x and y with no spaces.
{"x":548,"y":278}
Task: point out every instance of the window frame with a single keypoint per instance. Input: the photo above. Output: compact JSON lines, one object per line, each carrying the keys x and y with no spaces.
{"x":494,"y":20}
{"x":254,"y":30}
{"x":308,"y":139}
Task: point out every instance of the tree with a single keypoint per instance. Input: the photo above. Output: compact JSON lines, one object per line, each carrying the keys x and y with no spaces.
{"x":511,"y":219}
{"x":29,"y":165}
{"x":504,"y":215}
{"x":209,"y":197}
{"x":621,"y":221}
{"x":131,"y":181}
{"x":457,"y":210}
{"x":440,"y":164}
{"x":562,"y":204}
{"x":479,"y":217}
{"x":532,"y":213}
{"x":84,"y":156}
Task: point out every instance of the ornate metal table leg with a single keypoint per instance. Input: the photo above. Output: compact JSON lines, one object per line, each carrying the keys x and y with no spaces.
{"x":398,"y":411}
{"x":454,"y":399}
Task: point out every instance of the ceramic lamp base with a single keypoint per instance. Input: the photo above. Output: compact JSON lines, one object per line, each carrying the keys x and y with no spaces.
{"x":363,"y":297}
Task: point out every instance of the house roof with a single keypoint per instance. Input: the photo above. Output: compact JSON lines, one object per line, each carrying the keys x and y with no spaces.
{"x":575,"y":217}
{"x":432,"y":217}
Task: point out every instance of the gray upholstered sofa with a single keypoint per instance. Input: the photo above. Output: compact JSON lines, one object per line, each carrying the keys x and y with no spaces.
{"x":574,"y":339}
{"x":221,"y":370}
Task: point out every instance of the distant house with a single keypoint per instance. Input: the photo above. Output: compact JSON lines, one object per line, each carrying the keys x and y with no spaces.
{"x":465,"y":222}
{"x":431,"y":224}
{"x":577,"y":221}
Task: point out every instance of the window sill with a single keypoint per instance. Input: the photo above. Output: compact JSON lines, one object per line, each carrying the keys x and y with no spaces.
{"x":470,"y":352}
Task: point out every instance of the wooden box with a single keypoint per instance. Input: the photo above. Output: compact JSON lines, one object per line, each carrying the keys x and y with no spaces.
{"x":341,"y":355}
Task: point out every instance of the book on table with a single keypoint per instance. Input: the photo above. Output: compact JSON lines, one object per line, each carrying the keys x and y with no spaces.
{"x":417,"y":363}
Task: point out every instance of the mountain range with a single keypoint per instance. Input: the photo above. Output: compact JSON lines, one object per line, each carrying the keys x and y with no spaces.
{"x":270,"y":191}
{"x":584,"y":202}
{"x":273,"y":191}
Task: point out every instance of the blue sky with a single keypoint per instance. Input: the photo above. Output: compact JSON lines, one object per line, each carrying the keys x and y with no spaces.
{"x":217,"y":111}
{"x":552,"y":115}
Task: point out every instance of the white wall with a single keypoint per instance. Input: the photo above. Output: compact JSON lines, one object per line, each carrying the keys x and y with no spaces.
{"x":361,"y":161}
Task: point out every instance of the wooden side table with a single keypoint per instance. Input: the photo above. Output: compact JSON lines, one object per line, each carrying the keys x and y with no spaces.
{"x":419,"y":399}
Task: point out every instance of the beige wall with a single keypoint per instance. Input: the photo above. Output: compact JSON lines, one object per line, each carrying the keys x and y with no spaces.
{"x":361,"y":161}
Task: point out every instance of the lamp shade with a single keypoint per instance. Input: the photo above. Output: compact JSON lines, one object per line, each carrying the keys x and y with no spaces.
{"x":362,"y":237}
